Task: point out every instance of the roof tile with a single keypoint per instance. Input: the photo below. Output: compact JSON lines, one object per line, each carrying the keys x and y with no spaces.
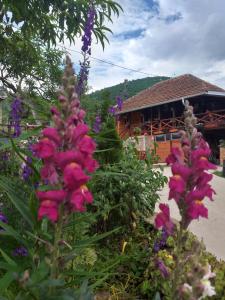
{"x":169,"y":90}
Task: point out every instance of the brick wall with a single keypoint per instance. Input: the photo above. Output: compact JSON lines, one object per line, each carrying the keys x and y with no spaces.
{"x":222,"y":155}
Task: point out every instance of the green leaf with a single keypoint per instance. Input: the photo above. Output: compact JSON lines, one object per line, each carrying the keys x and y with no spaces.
{"x":94,"y":239}
{"x":10,"y":261}
{"x":14,"y":193}
{"x":6,"y":280}
{"x":8,"y":230}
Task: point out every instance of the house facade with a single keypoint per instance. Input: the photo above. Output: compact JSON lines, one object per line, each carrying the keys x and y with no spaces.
{"x":155,"y":115}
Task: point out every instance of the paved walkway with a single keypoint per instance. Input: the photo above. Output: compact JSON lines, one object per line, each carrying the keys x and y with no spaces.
{"x":211,"y":230}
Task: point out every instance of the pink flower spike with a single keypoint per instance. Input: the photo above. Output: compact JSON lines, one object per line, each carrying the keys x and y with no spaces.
{"x":203,"y":179}
{"x":64,"y":158}
{"x":44,"y":148}
{"x":56,"y":195}
{"x":55,"y":111}
{"x":80,"y":197}
{"x":52,"y":134}
{"x":163,"y":218}
{"x":177,"y":184}
{"x":49,"y":212}
{"x":74,"y":176}
{"x":81,"y":114}
{"x":200,"y":159}
{"x":90,"y":164}
{"x":48,"y":172}
{"x":86,"y":145}
{"x":182,"y":170}
{"x":197,"y":209}
{"x":79,"y":132}
{"x":174,"y":156}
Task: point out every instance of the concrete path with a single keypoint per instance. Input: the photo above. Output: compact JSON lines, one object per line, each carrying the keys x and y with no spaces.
{"x":211,"y":230}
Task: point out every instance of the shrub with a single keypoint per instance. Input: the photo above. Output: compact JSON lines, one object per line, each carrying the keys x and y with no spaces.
{"x":129,"y":187}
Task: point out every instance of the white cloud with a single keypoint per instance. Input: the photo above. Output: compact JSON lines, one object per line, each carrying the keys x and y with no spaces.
{"x":185,"y":36}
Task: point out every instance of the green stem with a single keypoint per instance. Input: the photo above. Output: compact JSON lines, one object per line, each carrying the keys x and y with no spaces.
{"x":178,"y":268}
{"x":56,"y":249}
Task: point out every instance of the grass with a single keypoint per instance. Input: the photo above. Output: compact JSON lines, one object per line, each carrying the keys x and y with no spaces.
{"x":219,"y":173}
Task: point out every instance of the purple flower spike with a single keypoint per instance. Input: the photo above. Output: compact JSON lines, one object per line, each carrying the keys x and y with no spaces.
{"x":20,"y":251}
{"x":86,"y":49}
{"x":26,"y":170}
{"x":160,"y":244}
{"x":162,"y":268}
{"x":15,"y":114}
{"x":97,"y":124}
{"x":112,"y":110}
{"x":119,"y":102}
{"x":86,"y":39}
{"x":3,"y":218}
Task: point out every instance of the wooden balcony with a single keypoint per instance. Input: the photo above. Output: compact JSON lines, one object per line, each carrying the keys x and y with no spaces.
{"x":208,"y":120}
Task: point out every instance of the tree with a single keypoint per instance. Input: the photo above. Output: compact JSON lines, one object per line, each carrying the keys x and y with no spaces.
{"x":29,"y":66}
{"x":54,"y":20}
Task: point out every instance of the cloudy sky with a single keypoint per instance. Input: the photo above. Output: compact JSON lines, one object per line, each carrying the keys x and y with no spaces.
{"x":163,"y":37}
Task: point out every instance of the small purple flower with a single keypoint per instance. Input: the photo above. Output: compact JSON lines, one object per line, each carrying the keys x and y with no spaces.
{"x":119,"y":102}
{"x":162,"y":268}
{"x":20,"y":251}
{"x":26,"y":170}
{"x":3,"y":219}
{"x":160,"y":244}
{"x":15,"y":114}
{"x":112,"y":110}
{"x":97,"y":124}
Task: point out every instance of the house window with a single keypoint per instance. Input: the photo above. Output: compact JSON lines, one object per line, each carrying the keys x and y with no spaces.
{"x":160,"y":138}
{"x":176,"y":135}
{"x":168,"y":136}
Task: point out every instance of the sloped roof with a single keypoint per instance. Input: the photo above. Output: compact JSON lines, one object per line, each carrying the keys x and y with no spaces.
{"x":184,"y":86}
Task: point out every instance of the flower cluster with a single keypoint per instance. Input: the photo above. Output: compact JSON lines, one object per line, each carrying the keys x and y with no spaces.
{"x":86,"y":50}
{"x":15,"y":115}
{"x":161,"y":243}
{"x":119,"y":104}
{"x":190,"y":182}
{"x":20,"y":251}
{"x":26,"y":169}
{"x":97,"y":124}
{"x":86,"y":39}
{"x":199,"y":288}
{"x":66,"y":151}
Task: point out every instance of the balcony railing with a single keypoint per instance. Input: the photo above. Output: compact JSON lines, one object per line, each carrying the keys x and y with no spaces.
{"x":208,"y":120}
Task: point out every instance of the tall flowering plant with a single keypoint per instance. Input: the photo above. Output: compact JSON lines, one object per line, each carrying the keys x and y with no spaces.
{"x":189,"y":186}
{"x":86,"y":50}
{"x":66,"y":151}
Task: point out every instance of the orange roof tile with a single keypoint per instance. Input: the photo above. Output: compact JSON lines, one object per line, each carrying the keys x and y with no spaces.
{"x":170,"y":90}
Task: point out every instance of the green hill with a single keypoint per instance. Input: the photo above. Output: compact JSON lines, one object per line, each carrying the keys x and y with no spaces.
{"x":128,"y":88}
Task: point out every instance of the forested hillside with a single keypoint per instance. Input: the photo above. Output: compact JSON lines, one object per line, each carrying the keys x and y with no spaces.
{"x":128,"y":88}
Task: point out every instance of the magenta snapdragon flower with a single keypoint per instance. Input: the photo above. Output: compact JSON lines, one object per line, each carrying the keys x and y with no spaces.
{"x":190,"y":182}
{"x":67,"y":154}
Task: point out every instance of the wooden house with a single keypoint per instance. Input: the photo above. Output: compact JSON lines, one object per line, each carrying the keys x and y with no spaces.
{"x":156,"y":114}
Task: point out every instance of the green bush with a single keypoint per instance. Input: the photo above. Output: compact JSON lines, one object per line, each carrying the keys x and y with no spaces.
{"x":127,"y":189}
